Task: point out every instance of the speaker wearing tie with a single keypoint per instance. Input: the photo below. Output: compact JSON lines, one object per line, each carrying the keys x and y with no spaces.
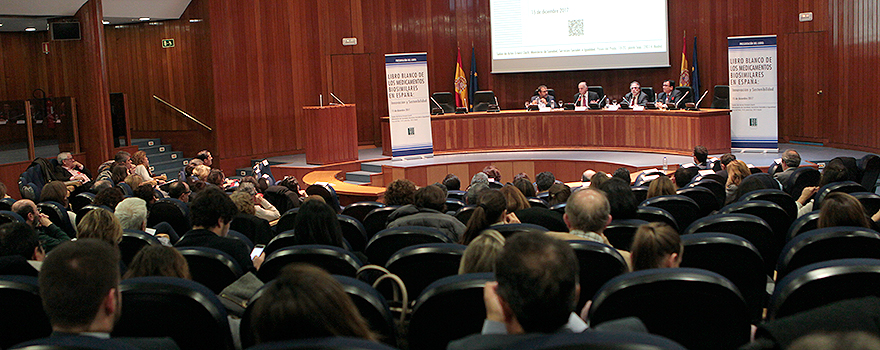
{"x":669,"y":95}
{"x":635,"y":95}
{"x":584,"y":97}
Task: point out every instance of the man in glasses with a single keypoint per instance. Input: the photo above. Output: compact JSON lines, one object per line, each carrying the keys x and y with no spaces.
{"x":669,"y":95}
{"x":635,"y":95}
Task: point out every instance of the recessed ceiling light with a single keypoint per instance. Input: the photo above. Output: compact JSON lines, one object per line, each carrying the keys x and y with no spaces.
{"x":30,"y":29}
{"x":1,"y":24}
{"x":195,"y":20}
{"x":105,"y":22}
{"x":144,"y":19}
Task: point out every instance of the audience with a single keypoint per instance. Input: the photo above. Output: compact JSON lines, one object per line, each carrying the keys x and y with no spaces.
{"x":544,"y":180}
{"x":20,"y":250}
{"x":587,"y":214}
{"x":737,"y":171}
{"x":515,"y":199}
{"x":620,"y":197}
{"x":3,"y":193}
{"x":558,"y":193}
{"x":147,"y":193}
{"x":400,"y":192}
{"x":452,"y":182}
{"x":842,"y":209}
{"x":205,"y":157}
{"x":623,"y":174}
{"x":262,"y":208}
{"x":473,"y":193}
{"x":134,"y":181}
{"x":791,"y":160}
{"x":656,"y":245}
{"x":833,"y":172}
{"x":725,"y":160}
{"x":306,"y":302}
{"x":57,"y":191}
{"x":118,"y":173}
{"x":598,"y":178}
{"x":428,"y":210}
{"x":525,"y":186}
{"x":108,"y":197}
{"x":491,"y":210}
{"x":492,"y":173}
{"x":661,"y":186}
{"x":179,"y":190}
{"x":683,"y":176}
{"x":316,"y":223}
{"x":482,"y":252}
{"x":142,"y":168}
{"x":100,"y":224}
{"x":50,"y":234}
{"x":158,"y":260}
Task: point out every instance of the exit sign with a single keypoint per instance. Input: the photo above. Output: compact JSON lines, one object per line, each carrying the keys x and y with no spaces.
{"x":166,"y":43}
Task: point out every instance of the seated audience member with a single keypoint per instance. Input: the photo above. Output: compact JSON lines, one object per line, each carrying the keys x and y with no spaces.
{"x":158,"y":260}
{"x":400,"y":192}
{"x":100,"y":224}
{"x":558,"y":193}
{"x":535,"y":293}
{"x":109,"y":197}
{"x":79,"y":286}
{"x":621,"y":198}
{"x":134,"y":181}
{"x":791,"y":160}
{"x":258,"y":230}
{"x":515,"y":198}
{"x":656,"y":245}
{"x":481,"y":254}
{"x":121,"y":158}
{"x":201,"y":172}
{"x":584,"y":96}
{"x":543,"y":98}
{"x":493,"y":173}
{"x":20,"y":250}
{"x":587,"y":175}
{"x":75,"y":169}
{"x":473,"y":193}
{"x":479,"y":178}
{"x":842,"y":209}
{"x":146,"y":192}
{"x":544,"y":180}
{"x":491,"y":210}
{"x":725,"y":160}
{"x":525,"y":187}
{"x":100,"y":185}
{"x":205,"y":157}
{"x":598,"y":178}
{"x":212,"y":213}
{"x":669,"y":95}
{"x":56,"y":191}
{"x":684,"y":175}
{"x":737,"y":171}
{"x":50,"y":234}
{"x":188,"y":171}
{"x":636,"y":96}
{"x":262,"y":208}
{"x":179,"y":190}
{"x":587,"y":214}
{"x":701,"y":158}
{"x":118,"y":174}
{"x":452,"y":182}
{"x":132,"y":215}
{"x":316,"y":223}
{"x":428,"y":211}
{"x":142,"y":168}
{"x":306,"y":302}
{"x":661,"y":186}
{"x":623,"y":174}
{"x":217,"y":178}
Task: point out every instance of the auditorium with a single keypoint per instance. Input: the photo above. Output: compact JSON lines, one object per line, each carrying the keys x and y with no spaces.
{"x":420,"y":153}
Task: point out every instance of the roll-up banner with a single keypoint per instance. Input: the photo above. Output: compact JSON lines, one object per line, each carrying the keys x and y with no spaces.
{"x":752,"y":71}
{"x":409,"y":109}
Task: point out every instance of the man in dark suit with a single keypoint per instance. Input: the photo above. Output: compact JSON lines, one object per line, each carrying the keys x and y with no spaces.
{"x":669,"y":95}
{"x":79,"y":285}
{"x":584,"y":96}
{"x":635,"y":95}
{"x":542,"y":98}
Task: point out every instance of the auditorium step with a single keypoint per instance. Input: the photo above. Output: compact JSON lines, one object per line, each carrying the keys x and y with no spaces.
{"x":163,"y":159}
{"x":365,"y":175}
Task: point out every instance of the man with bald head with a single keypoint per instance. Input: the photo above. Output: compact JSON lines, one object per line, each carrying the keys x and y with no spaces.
{"x":50,"y":234}
{"x":587,"y":213}
{"x":584,"y":96}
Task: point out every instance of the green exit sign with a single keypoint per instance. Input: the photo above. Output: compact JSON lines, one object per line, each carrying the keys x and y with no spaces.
{"x":166,"y":43}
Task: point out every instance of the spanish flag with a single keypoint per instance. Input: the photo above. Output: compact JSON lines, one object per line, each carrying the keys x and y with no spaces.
{"x":460,"y":84}
{"x":685,"y":78}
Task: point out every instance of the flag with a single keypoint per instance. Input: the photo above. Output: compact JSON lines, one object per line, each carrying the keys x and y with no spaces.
{"x":460,"y":84}
{"x":685,"y":78}
{"x":695,"y":76}
{"x":473,"y":80}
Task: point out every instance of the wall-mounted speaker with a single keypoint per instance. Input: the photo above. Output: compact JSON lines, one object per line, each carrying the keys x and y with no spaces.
{"x":65,"y":31}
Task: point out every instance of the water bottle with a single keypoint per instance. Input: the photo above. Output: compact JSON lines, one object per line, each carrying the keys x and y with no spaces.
{"x":665,"y":165}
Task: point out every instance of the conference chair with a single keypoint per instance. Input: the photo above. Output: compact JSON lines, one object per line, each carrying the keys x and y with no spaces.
{"x":482,"y":100}
{"x":282,"y":198}
{"x":446,"y":101}
{"x":127,"y":191}
{"x":799,"y":179}
{"x":752,"y":228}
{"x":782,"y":199}
{"x":86,"y":209}
{"x":184,"y":310}
{"x":650,"y":92}
{"x":807,"y":222}
{"x":31,"y":182}
{"x":58,"y":215}
{"x":697,"y":308}
{"x":842,"y":186}
{"x":173,"y":211}
{"x":598,"y":263}
{"x":853,"y":172}
{"x":770,"y":212}
{"x":774,"y":168}
{"x":734,"y":258}
{"x":372,"y":306}
{"x":596,"y":341}
{"x":464,"y":214}
{"x":353,"y":232}
{"x":705,"y":199}
{"x":132,"y":242}
{"x":377,"y":219}
{"x":360,"y":210}
{"x":538,"y":202}
{"x":455,"y":194}
{"x":869,"y":200}
{"x":508,"y":230}
{"x":241,"y":237}
{"x":7,"y":216}
{"x":6,"y":203}
{"x":282,"y":240}
{"x":335,"y":260}
{"x":254,"y":228}
{"x":823,"y":283}
{"x":641,"y":193}
{"x":687,"y":98}
{"x":654,"y":214}
{"x":620,"y":232}
{"x":453,"y":205}
{"x":80,"y":200}
{"x":449,"y":309}
{"x":420,"y":265}
{"x":327,"y":192}
{"x":385,"y":243}
{"x":721,"y":97}
{"x":870,"y":166}
{"x":326,"y":343}
{"x":287,"y":220}
{"x":211,"y":267}
{"x":600,"y":91}
{"x":830,"y":243}
{"x":21,"y":311}
{"x":683,"y":209}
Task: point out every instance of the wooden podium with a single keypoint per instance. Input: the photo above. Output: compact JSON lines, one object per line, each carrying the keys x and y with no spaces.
{"x":336,"y":141}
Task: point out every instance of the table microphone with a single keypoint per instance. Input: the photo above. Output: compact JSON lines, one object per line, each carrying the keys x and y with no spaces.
{"x":682,"y":98}
{"x":435,"y":102}
{"x":337,"y":99}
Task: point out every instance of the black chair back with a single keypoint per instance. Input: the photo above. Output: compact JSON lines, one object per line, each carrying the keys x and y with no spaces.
{"x":752,"y":228}
{"x":686,"y":98}
{"x":211,"y":267}
{"x":21,"y":311}
{"x":654,"y":214}
{"x":456,"y":194}
{"x":254,"y":228}
{"x":6,"y":203}
{"x":85,"y":210}
{"x":388,"y":241}
{"x":453,"y":205}
{"x":335,"y":260}
{"x":326,"y":343}
{"x":282,"y":240}
{"x":360,"y":210}
{"x":132,"y":242}
{"x":620,"y":233}
{"x":641,"y":193}
{"x":126,"y":189}
{"x":807,"y":222}
{"x":372,"y":306}
{"x":600,"y":91}
{"x":870,"y":166}
{"x":721,"y":97}
{"x":823,"y":283}
{"x":734,"y":258}
{"x":599,"y":263}
{"x":80,"y":200}
{"x":508,"y":230}
{"x":703,"y":196}
{"x":770,"y":212}
{"x":420,"y":265}
{"x":869,"y":200}
{"x":172,"y":211}
{"x":7,"y":216}
{"x":464,"y":214}
{"x":538,"y":202}
{"x":327,"y":192}
{"x":683,"y":209}
{"x":58,"y":215}
{"x":782,"y":199}
{"x":287,"y":220}
{"x":709,"y":311}
{"x":650,"y":92}
{"x":717,"y":188}
{"x":446,"y":101}
{"x":799,"y":179}
{"x":449,"y":309}
{"x":843,"y":186}
{"x":830,"y":243}
{"x":184,"y":310}
{"x":377,"y":219}
{"x":353,"y":232}
{"x":482,"y":100}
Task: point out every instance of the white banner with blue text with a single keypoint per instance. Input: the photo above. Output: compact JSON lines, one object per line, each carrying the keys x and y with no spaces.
{"x":752,"y":69}
{"x":409,"y":108}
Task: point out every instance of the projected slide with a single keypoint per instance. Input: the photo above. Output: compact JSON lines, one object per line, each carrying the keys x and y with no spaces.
{"x":553,"y":35}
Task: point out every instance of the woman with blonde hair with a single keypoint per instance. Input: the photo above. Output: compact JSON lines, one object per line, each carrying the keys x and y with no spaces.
{"x":100,"y":224}
{"x":158,"y":260}
{"x":737,"y":170}
{"x":661,"y":186}
{"x":481,"y":254}
{"x":656,"y":245}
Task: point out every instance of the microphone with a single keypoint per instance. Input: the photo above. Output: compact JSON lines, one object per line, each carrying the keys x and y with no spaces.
{"x":682,"y":97}
{"x":435,"y":102}
{"x":701,"y":99}
{"x":496,"y":103}
{"x":337,"y":99}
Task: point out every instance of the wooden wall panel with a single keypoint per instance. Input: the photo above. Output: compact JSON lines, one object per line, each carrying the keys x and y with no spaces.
{"x":22,"y":65}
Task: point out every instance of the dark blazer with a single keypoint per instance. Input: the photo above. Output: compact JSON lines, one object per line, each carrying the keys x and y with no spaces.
{"x":591,"y":96}
{"x":90,"y":342}
{"x":503,"y":341}
{"x":235,"y":248}
{"x":670,"y":98}
{"x":643,"y":98}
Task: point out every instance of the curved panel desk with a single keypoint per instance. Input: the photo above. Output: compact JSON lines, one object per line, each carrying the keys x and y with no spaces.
{"x":675,"y":132}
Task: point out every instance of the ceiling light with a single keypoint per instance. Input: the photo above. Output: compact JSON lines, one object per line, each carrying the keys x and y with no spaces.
{"x":1,"y":24}
{"x":105,"y":22}
{"x":30,"y":29}
{"x":144,"y":19}
{"x":195,"y":20}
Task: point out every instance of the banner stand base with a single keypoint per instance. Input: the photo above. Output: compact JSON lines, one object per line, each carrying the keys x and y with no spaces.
{"x":754,"y":150}
{"x":423,"y":156}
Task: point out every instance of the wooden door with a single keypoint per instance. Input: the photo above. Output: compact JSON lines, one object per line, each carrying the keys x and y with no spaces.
{"x":351,"y":80}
